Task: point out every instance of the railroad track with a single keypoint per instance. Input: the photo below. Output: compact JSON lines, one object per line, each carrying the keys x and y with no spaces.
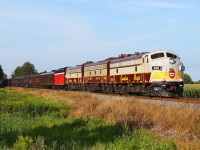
{"x":182,"y":100}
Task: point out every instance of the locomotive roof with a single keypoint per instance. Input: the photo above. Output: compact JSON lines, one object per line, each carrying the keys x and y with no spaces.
{"x":98,"y":62}
{"x":75,"y":67}
{"x":163,"y":51}
{"x":122,"y":57}
{"x":129,"y":57}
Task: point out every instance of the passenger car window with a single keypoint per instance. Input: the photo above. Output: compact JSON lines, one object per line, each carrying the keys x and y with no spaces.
{"x":157,"y":55}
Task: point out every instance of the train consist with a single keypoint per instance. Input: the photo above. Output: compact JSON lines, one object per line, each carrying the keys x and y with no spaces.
{"x":157,"y":73}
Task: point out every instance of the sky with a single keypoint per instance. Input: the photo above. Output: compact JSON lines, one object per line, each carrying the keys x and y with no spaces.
{"x":52,"y":34}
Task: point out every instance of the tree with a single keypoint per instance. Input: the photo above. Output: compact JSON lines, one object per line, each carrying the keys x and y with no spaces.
{"x":187,"y":79}
{"x":2,"y":74}
{"x":5,"y":76}
{"x":26,"y":69}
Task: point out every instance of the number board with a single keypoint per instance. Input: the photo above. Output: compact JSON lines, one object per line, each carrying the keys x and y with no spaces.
{"x":156,"y":68}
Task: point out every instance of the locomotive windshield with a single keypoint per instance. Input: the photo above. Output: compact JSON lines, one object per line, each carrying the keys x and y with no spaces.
{"x":170,"y":55}
{"x":157,"y":55}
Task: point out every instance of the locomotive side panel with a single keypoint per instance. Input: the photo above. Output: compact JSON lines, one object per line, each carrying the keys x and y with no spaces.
{"x":74,"y":75}
{"x":131,"y":71}
{"x":95,"y":74}
{"x":130,"y":74}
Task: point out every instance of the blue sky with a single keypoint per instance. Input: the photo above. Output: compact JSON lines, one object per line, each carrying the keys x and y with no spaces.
{"x":57,"y":33}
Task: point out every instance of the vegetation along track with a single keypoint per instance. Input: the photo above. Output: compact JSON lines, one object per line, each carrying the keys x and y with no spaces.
{"x":137,"y":97}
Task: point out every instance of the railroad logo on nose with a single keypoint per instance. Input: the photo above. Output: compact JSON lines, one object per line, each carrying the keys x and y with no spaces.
{"x":171,"y":73}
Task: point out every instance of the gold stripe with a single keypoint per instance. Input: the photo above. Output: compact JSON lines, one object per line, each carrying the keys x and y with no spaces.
{"x":165,"y":75}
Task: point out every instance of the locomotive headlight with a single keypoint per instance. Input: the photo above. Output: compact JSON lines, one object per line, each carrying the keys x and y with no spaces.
{"x":181,"y":86}
{"x":172,"y":61}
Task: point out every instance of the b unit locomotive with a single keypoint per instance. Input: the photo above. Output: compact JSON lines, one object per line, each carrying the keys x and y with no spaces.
{"x":157,"y":73}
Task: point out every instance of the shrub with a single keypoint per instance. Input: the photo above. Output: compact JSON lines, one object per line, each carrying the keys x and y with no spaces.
{"x":23,"y":143}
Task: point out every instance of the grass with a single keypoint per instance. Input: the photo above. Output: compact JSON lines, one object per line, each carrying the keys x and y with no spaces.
{"x":137,"y":140}
{"x":181,"y":124}
{"x":191,"y":91}
{"x":28,"y":121}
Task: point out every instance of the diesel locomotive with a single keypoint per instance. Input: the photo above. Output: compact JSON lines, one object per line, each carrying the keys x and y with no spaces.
{"x":158,"y":73}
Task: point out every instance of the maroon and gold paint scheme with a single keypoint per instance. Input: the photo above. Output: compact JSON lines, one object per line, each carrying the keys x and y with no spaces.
{"x":95,"y":79}
{"x":74,"y":80}
{"x":103,"y":66}
{"x":131,"y":78}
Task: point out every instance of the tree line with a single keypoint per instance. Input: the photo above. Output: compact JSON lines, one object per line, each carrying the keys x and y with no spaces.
{"x":26,"y":69}
{"x":2,"y":74}
{"x":29,"y":69}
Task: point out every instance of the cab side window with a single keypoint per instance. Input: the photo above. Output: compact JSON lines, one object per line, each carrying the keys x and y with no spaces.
{"x":146,"y":59}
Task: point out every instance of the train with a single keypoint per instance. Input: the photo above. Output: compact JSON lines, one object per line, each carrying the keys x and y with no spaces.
{"x":3,"y":82}
{"x":154,"y":74}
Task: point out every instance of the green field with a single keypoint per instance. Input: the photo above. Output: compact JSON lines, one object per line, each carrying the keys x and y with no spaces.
{"x":191,"y":91}
{"x":30,"y":122}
